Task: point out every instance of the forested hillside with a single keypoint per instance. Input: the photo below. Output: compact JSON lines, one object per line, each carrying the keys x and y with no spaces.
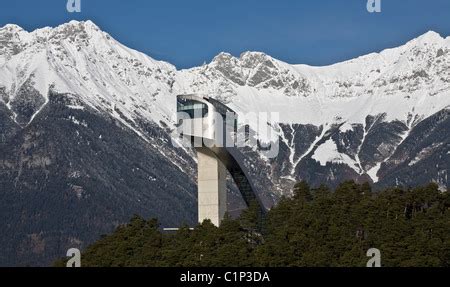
{"x":315,"y":227}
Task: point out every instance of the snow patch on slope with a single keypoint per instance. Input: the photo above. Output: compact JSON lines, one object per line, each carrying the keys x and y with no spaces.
{"x":328,"y":153}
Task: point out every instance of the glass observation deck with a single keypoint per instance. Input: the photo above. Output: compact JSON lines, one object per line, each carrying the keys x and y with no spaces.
{"x":215,"y":117}
{"x":193,"y":108}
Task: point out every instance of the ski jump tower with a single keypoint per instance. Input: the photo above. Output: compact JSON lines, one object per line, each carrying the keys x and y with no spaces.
{"x":211,"y":126}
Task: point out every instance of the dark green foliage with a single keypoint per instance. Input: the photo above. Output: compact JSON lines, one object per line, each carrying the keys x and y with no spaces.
{"x":316,"y":227}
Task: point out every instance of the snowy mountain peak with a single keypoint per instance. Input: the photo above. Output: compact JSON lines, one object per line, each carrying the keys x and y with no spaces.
{"x":10,"y":28}
{"x":249,"y":59}
{"x":87,"y":23}
{"x":430,"y":37}
{"x":80,"y":59}
{"x":74,"y":27}
{"x":253,"y":59}
{"x":251,"y":69}
{"x":71,"y":27}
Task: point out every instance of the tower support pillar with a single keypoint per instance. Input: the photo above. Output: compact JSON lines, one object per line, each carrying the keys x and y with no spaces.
{"x":212,"y":187}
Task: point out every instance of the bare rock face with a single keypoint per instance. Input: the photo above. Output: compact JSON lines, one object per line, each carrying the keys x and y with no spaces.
{"x":4,"y":97}
{"x":258,"y":70}
{"x":26,"y":102}
{"x":10,"y":40}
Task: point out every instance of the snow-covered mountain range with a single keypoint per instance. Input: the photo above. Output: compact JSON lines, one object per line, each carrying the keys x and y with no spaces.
{"x":72,"y":99}
{"x":406,"y":84}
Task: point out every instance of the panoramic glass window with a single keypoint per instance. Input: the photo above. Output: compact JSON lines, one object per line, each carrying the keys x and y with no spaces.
{"x":194,"y":109}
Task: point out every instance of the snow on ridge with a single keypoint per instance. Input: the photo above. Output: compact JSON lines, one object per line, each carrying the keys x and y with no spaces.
{"x":396,"y":81}
{"x":79,"y":58}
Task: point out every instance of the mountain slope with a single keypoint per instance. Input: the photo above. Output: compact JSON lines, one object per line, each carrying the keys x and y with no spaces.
{"x":85,"y":130}
{"x":362,"y":109}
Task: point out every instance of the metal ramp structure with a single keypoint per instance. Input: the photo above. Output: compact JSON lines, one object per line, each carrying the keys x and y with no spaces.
{"x":231,"y":157}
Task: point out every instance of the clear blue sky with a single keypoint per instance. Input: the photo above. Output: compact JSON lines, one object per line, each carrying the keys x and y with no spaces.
{"x":190,"y":32}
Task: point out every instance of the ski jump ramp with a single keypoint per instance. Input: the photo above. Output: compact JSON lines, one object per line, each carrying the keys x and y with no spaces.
{"x":210,"y":126}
